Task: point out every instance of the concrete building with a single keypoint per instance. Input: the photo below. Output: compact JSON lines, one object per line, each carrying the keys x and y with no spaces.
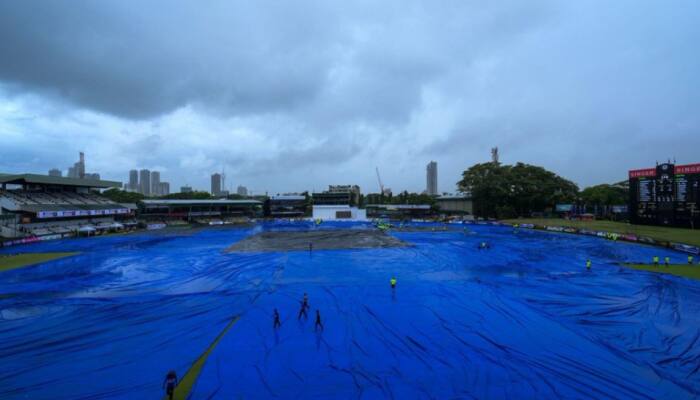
{"x":339,"y":202}
{"x":353,"y":191}
{"x":432,"y":181}
{"x":81,"y":165}
{"x":155,"y":183}
{"x":133,"y":185}
{"x":186,"y":189}
{"x":77,"y":171}
{"x":201,"y":211}
{"x":55,"y":172}
{"x":332,"y":199}
{"x":164,"y":188}
{"x":145,"y":182}
{"x":286,"y":206}
{"x":455,"y":205}
{"x":338,"y":212}
{"x":216,"y":184}
{"x":242,"y":190}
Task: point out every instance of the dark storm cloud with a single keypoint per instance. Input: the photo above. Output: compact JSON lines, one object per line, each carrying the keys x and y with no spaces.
{"x":142,"y":59}
{"x":138,"y":60}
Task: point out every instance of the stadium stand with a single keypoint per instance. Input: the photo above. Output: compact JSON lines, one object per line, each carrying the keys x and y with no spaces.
{"x":205,"y":212}
{"x":53,"y":207}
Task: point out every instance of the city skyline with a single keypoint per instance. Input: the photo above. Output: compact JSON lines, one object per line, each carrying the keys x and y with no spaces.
{"x":76,"y":171}
{"x":146,"y":182}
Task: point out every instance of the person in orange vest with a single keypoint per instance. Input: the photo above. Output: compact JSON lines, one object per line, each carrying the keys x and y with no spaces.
{"x":655,"y":260}
{"x":393,"y":282}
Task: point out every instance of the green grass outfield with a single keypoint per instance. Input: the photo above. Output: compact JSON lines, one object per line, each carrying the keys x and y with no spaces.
{"x":184,"y":387}
{"x":685,"y":270}
{"x":662,"y":233}
{"x":24,"y":260}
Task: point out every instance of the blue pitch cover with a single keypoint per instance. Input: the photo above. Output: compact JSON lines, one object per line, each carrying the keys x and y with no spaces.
{"x":522,"y":319}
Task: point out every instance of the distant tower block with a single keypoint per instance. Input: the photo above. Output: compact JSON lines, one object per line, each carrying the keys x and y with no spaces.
{"x":494,"y":155}
{"x":431,"y":175}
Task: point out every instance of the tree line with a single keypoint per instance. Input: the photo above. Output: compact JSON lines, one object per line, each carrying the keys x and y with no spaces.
{"x":507,"y":191}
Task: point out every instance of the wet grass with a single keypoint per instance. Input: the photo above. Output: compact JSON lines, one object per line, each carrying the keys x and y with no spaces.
{"x":684,"y":270}
{"x":27,"y":259}
{"x":186,"y":384}
{"x":662,"y":233}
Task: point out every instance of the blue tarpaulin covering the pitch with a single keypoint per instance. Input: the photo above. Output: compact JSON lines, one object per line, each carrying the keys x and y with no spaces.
{"x":523,"y":319}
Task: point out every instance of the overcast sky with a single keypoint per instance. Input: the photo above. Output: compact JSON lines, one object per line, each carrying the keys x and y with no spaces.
{"x":296,"y":95}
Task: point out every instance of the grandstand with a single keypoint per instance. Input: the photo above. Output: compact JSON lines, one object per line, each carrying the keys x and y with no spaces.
{"x":208,"y":212}
{"x":44,"y":207}
{"x":286,"y":206}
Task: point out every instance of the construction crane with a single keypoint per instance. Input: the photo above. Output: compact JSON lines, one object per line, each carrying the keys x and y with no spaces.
{"x":381,"y":185}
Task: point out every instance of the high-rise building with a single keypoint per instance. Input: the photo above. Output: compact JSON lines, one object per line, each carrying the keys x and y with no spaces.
{"x":77,"y":171}
{"x":133,"y":181}
{"x":164,"y":188}
{"x":145,"y":182}
{"x":155,"y":183}
{"x":432,"y":183}
{"x":216,"y":184}
{"x":80,"y":166}
{"x":242,"y":190}
{"x":55,"y":172}
{"x":186,"y":189}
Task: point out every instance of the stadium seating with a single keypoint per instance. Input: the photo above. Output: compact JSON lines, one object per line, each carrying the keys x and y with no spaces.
{"x":15,"y":200}
{"x":21,"y":197}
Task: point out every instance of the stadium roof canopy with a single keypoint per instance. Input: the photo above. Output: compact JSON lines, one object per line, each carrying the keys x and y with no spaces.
{"x":215,"y":202}
{"x":35,"y":179}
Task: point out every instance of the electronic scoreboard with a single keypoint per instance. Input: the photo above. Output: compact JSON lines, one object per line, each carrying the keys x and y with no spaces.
{"x":666,"y":195}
